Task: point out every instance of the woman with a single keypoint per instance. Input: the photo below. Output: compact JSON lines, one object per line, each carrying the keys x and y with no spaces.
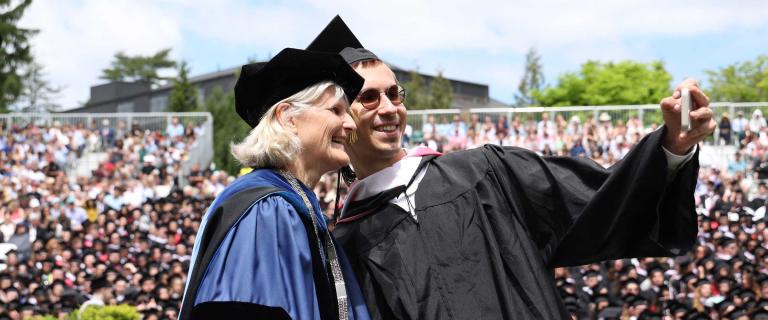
{"x":725,"y":129}
{"x":263,"y":250}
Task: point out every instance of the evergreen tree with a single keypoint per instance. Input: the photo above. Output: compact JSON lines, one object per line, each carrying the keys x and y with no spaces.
{"x":533,"y":80}
{"x":138,"y":68}
{"x":442,"y":92}
{"x":15,"y":51}
{"x":227,"y":128}
{"x":183,"y":96}
{"x":37,"y":94}
{"x":417,"y":95}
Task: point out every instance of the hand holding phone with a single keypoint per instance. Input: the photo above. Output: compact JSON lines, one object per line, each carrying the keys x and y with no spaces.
{"x":685,"y":109}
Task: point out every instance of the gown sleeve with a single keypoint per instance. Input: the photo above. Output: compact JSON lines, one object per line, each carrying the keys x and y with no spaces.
{"x":577,"y":212}
{"x":260,"y":268}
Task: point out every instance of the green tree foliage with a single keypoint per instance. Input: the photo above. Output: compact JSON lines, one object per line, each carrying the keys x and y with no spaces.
{"x":37,"y":94}
{"x":417,"y":96}
{"x":184,"y":94}
{"x":119,"y":312}
{"x":138,"y":68}
{"x":15,"y":51}
{"x":598,"y":83}
{"x":532,"y":81}
{"x":442,"y":92}
{"x":227,"y":128}
{"x":740,"y":82}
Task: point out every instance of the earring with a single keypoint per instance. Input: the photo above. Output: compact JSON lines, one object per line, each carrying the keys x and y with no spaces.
{"x":352,"y":139}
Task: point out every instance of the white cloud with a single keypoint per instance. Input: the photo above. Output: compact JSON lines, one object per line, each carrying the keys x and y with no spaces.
{"x":78,"y":38}
{"x":77,"y":41}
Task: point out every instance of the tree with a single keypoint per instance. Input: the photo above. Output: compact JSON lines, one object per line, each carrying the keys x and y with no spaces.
{"x":184,"y":94}
{"x":532,"y":81}
{"x":416,"y":93}
{"x":138,"y":68}
{"x":598,"y":83}
{"x":37,"y":94}
{"x":227,"y":128}
{"x":15,"y":51}
{"x":740,"y":82}
{"x":442,"y":92}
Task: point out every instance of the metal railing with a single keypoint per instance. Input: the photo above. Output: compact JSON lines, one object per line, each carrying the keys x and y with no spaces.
{"x":648,"y":114}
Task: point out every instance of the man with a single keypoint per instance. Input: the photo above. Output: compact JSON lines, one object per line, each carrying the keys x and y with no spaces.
{"x":475,"y":234}
{"x":101,"y":293}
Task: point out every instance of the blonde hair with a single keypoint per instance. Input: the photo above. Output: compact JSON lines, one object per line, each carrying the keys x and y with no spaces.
{"x":271,"y":145}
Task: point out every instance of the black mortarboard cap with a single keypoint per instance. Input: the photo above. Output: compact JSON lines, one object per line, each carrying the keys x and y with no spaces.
{"x":676,"y":307}
{"x":261,"y":85}
{"x":703,"y":281}
{"x":735,"y":314}
{"x":99,"y":283}
{"x":759,"y":314}
{"x":338,"y":38}
{"x":725,"y":306}
{"x":609,"y":313}
{"x":635,"y":301}
{"x":695,"y":315}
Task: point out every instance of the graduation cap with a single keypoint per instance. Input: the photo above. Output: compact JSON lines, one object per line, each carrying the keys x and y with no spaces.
{"x":677,"y":307}
{"x":338,"y":38}
{"x":759,"y":314}
{"x":99,"y":283}
{"x":261,"y":85}
{"x":687,"y":277}
{"x":703,"y":281}
{"x":634,"y":301}
{"x":591,"y":273}
{"x":696,"y":315}
{"x":747,"y":295}
{"x":600,"y":298}
{"x":725,"y":306}
{"x":737,"y":313}
{"x":650,"y":315}
{"x":610,"y":313}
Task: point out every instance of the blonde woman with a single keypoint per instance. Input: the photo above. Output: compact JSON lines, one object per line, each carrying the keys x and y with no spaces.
{"x":263,"y":250}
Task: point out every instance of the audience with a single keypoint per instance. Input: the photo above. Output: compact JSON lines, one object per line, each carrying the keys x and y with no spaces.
{"x":124,"y":234}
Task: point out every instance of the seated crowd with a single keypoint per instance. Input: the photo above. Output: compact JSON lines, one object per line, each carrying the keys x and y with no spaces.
{"x":125,"y":234}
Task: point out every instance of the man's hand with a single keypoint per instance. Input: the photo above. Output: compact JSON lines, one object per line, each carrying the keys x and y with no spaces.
{"x":702,"y":119}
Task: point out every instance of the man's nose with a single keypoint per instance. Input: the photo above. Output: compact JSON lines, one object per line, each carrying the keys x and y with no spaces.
{"x":386,"y":107}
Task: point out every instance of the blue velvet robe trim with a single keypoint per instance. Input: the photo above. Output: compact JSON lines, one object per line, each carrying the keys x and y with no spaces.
{"x":265,"y":258}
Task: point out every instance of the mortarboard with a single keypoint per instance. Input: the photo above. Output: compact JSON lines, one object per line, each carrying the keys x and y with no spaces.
{"x":261,"y":85}
{"x":609,"y":313}
{"x":338,"y":38}
{"x":759,"y":314}
{"x":695,"y":315}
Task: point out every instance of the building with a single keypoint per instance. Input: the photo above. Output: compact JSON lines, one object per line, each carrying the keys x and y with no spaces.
{"x":141,"y":97}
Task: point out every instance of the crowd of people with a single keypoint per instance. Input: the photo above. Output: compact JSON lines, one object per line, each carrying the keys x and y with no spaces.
{"x":124,"y":235}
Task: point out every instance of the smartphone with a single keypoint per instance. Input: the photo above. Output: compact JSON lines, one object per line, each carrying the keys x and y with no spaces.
{"x":685,"y":109}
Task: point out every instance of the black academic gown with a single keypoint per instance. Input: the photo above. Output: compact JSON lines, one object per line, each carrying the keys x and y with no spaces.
{"x":494,"y":221}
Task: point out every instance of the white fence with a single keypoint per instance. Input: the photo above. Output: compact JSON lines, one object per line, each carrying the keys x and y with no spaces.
{"x":647,"y":114}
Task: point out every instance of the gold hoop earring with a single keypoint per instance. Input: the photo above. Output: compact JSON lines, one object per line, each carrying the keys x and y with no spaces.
{"x":352,"y":138}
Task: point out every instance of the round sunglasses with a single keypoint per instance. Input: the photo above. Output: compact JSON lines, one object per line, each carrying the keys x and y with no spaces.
{"x":371,"y":98}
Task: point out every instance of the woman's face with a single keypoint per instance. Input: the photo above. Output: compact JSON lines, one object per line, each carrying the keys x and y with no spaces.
{"x":322,"y":130}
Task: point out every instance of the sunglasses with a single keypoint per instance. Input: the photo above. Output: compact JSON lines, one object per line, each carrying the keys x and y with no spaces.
{"x":371,"y":98}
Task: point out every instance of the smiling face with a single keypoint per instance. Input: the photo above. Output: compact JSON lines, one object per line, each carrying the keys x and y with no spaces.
{"x":322,"y":130}
{"x":379,"y":127}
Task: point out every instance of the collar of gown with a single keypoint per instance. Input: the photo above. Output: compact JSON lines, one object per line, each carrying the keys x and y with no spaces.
{"x":398,"y":174}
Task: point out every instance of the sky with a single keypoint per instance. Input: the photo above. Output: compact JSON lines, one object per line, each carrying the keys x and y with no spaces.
{"x":477,"y":41}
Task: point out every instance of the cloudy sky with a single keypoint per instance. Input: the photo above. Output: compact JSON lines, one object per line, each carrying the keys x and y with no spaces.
{"x":477,"y":41}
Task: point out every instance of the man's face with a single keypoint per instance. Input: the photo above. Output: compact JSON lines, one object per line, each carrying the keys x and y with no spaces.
{"x":380,"y":128}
